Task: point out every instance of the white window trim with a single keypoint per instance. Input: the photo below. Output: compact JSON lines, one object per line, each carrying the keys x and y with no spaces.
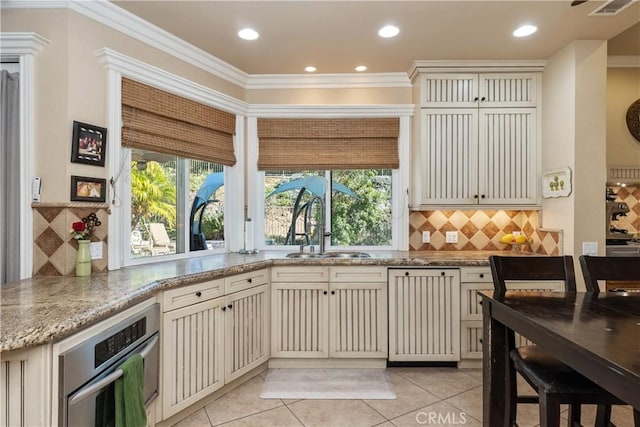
{"x":399,"y":177}
{"x":24,"y":47}
{"x":119,"y":66}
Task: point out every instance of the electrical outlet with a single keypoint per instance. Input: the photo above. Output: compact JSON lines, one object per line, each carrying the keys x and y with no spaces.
{"x":590,"y":248}
{"x":426,"y":237}
{"x":451,"y":237}
{"x":95,"y":249}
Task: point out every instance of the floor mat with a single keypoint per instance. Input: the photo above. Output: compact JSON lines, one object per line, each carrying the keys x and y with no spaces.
{"x":327,"y":384}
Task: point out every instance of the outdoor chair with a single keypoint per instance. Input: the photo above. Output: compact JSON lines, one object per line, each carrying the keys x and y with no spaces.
{"x":555,"y":382}
{"x":160,"y":241}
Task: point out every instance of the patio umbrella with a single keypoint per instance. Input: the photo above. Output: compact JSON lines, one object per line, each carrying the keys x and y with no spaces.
{"x":316,"y":185}
{"x":212,"y":182}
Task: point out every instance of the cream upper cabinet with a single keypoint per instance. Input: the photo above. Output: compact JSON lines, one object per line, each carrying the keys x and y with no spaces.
{"x":468,"y":90}
{"x":476,"y":141}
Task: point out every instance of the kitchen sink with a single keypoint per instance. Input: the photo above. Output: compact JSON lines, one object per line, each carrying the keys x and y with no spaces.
{"x":347,"y":255}
{"x":303,"y":255}
{"x":309,"y":255}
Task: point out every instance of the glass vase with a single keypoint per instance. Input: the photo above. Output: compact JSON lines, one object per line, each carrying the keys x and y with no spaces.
{"x":83,"y":259}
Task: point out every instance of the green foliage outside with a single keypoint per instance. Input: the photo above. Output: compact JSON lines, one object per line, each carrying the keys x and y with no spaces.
{"x":213,"y":225}
{"x":153,"y":195}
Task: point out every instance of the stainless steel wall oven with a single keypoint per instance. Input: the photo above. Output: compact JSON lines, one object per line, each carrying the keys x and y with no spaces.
{"x":89,"y":370}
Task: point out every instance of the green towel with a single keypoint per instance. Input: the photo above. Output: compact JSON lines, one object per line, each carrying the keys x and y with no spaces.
{"x":129,"y":395}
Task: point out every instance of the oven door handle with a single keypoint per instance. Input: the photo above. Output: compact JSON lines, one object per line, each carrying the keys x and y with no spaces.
{"x":109,"y":378}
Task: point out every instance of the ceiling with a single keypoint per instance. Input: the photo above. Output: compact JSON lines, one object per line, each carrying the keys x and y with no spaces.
{"x":336,"y":36}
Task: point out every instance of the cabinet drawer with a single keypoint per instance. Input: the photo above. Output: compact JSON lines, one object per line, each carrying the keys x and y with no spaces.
{"x":244,"y":281}
{"x":305,"y":274}
{"x":471,"y":340}
{"x":192,"y":294}
{"x":470,"y":301}
{"x":358,"y":274}
{"x":477,"y":275}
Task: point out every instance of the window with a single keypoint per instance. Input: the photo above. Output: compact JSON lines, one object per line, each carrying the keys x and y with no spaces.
{"x":356,"y":203}
{"x":177,"y":205}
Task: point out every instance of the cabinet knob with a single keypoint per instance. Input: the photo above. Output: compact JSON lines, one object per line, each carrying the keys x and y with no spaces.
{"x":333,"y":292}
{"x":249,"y":280}
{"x":483,"y":196}
{"x":442,"y":273}
{"x":481,"y":275}
{"x":483,"y":99}
{"x":230,"y":306}
{"x":475,"y":99}
{"x":475,"y":196}
{"x":406,"y":273}
{"x":198,"y":294}
{"x":480,"y":340}
{"x":224,"y":308}
{"x":325,"y":292}
{"x":480,"y":302}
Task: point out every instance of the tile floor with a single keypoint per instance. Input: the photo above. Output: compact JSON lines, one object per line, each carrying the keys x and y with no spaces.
{"x":426,"y":397}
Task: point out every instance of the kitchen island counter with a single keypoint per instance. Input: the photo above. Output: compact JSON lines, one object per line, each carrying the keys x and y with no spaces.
{"x":46,"y":309}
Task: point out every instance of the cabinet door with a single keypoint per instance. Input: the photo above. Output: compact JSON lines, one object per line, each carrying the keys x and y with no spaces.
{"x":508,"y":156}
{"x":358,"y":320}
{"x":424,"y":315}
{"x":246,"y":320}
{"x":449,"y":156}
{"x":449,"y":90}
{"x":507,"y":90}
{"x":299,"y":320}
{"x":193,"y":365}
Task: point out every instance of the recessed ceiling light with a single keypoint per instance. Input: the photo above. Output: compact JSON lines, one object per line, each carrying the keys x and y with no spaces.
{"x":361,"y":68}
{"x":248,"y":34}
{"x":310,"y":68}
{"x":388,"y":31}
{"x":525,"y":30}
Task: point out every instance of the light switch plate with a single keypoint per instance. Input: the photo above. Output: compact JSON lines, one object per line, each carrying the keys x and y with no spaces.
{"x":95,"y":249}
{"x":451,"y":237}
{"x":426,"y":237}
{"x":590,"y":248}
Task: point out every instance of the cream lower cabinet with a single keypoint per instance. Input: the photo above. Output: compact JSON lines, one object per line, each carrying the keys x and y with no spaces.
{"x":209,"y":343}
{"x":473,"y":280}
{"x":424,"y":315}
{"x":25,"y":387}
{"x":320,"y":312}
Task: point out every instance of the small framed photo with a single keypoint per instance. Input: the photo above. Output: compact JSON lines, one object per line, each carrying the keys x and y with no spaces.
{"x":86,"y":189}
{"x":89,"y":144}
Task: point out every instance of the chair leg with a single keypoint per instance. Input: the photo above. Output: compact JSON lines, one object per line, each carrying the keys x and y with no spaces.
{"x":603,"y":416}
{"x":549,"y":410}
{"x":574,"y":415}
{"x":513,"y":394}
{"x":636,"y":417}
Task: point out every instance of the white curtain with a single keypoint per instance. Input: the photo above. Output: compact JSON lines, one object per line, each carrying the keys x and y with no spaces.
{"x":9,"y":177}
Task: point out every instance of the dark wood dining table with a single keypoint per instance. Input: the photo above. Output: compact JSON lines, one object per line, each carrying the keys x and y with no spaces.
{"x":598,"y":335}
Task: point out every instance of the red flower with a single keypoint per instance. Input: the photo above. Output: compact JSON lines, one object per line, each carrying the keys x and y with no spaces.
{"x":78,"y":227}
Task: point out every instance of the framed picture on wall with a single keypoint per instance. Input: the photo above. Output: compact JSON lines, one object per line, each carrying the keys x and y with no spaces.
{"x":89,"y":144}
{"x":86,"y":189}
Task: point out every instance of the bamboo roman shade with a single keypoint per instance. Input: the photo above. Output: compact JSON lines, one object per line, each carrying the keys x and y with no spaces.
{"x":160,"y":121}
{"x":349,"y":143}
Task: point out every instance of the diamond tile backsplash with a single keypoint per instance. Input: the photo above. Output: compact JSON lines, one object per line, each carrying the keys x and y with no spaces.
{"x":54,"y":248}
{"x":631,"y":196}
{"x":481,"y":230}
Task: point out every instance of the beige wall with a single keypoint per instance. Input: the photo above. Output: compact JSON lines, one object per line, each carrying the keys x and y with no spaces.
{"x":574,"y":135}
{"x":623,"y":88}
{"x":70,"y":84}
{"x":331,"y":96}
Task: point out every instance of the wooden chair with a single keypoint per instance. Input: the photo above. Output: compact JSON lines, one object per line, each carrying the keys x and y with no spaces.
{"x":554,"y":381}
{"x":623,"y":271}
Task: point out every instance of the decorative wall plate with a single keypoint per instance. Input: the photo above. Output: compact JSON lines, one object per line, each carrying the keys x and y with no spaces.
{"x":633,"y":119}
{"x":556,"y":183}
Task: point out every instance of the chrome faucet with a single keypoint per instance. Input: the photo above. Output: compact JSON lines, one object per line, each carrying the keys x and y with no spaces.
{"x":320,"y":222}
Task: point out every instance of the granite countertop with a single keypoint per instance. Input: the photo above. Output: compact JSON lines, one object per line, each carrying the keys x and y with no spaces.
{"x":46,"y":309}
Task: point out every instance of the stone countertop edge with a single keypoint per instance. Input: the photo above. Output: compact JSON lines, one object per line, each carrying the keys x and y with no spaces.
{"x":43,"y":310}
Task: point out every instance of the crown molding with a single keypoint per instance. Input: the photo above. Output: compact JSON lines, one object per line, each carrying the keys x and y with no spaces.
{"x":162,"y":79}
{"x":477,"y":65}
{"x":327,"y":81}
{"x":277,"y":110}
{"x":21,"y":43}
{"x":34,"y":4}
{"x":630,"y":61}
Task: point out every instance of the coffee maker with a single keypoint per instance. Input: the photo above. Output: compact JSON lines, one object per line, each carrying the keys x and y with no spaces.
{"x":615,"y":235}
